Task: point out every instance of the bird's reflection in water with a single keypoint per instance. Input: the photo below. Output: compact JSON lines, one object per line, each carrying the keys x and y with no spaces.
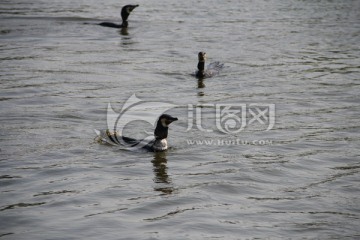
{"x":125,"y":37}
{"x":161,"y":178}
{"x":201,"y":84}
{"x":124,"y":31}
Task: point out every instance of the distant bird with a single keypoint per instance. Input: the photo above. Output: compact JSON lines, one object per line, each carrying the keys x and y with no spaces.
{"x":211,"y":70}
{"x":159,"y":143}
{"x":125,"y":12}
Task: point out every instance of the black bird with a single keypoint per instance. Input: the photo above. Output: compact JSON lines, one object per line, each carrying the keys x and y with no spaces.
{"x":211,"y":70}
{"x":125,"y":12}
{"x":159,"y":143}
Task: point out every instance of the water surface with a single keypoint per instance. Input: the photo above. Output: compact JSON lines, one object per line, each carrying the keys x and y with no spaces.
{"x":298,"y":180}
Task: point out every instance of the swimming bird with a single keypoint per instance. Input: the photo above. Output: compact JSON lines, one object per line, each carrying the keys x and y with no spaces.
{"x":125,"y":12}
{"x":157,"y":144}
{"x":211,"y":70}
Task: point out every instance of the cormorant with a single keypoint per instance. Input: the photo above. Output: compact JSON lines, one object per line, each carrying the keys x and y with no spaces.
{"x":159,"y":143}
{"x":125,"y":12}
{"x":211,"y":70}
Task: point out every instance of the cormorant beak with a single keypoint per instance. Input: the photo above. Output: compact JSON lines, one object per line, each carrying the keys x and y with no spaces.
{"x":170,"y":120}
{"x":132,"y":7}
{"x":167,"y":119}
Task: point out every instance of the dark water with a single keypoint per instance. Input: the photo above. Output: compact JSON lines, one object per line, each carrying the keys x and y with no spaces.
{"x":298,"y":180}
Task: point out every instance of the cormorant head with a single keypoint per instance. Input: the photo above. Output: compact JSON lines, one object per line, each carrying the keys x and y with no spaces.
{"x":162,"y":126}
{"x":202,"y":56}
{"x":166,"y":119}
{"x":126,"y":10}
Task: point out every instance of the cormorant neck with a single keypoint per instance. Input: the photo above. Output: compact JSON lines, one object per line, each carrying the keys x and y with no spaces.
{"x":124,"y":24}
{"x":201,"y":65}
{"x":160,"y":132}
{"x":201,"y":68}
{"x":124,"y":15}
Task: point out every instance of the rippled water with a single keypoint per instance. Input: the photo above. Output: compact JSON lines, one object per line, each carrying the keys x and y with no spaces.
{"x":298,"y":180}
